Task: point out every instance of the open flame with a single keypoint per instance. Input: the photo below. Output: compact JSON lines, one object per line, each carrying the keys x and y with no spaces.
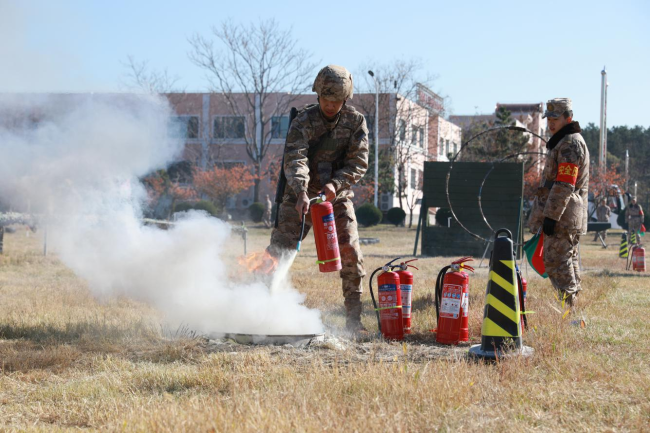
{"x":260,"y":262}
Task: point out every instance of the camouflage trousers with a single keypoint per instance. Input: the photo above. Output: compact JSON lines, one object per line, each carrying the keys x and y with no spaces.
{"x":562,"y":265}
{"x":266,"y":219}
{"x":285,"y":237}
{"x":634,"y":226}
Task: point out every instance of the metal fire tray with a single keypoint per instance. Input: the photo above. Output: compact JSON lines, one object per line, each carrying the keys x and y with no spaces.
{"x":257,"y":339}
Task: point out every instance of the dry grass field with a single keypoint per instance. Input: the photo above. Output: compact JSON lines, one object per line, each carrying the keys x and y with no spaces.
{"x":70,"y":361}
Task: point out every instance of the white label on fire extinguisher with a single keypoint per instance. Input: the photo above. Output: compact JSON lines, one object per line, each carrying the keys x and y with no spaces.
{"x":407,"y":291}
{"x":330,"y":232}
{"x":465,"y":304}
{"x":451,"y":300}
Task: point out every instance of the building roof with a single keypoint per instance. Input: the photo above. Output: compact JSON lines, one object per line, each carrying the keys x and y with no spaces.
{"x":523,"y":108}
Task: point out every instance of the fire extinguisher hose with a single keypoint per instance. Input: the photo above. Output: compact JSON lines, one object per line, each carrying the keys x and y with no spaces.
{"x":320,"y":197}
{"x":438,"y":293}
{"x":302,"y":233}
{"x":372,"y":295}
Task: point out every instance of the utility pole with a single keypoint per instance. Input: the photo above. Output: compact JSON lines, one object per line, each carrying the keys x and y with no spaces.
{"x":602,"y":157}
{"x":372,"y":74}
{"x":627,"y":169}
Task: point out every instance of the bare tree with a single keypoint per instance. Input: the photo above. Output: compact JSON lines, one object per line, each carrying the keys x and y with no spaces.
{"x":414,"y":194}
{"x":139,"y":75}
{"x":260,"y":72}
{"x":406,"y":121}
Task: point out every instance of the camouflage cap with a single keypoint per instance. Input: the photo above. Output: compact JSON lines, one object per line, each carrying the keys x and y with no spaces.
{"x":334,"y":83}
{"x":556,"y":107}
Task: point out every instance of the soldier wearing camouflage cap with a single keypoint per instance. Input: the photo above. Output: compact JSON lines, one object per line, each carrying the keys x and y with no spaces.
{"x":560,"y":206}
{"x":327,"y":151}
{"x":634,"y":216}
{"x":603,"y":212}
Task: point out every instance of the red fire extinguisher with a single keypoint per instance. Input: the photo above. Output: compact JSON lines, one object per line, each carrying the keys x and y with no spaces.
{"x":406,"y":287}
{"x":638,"y":258}
{"x":327,"y":243}
{"x":452,"y":302}
{"x":389,"y":310}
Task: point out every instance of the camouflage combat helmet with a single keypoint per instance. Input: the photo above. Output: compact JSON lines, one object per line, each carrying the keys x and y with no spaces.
{"x":334,"y":83}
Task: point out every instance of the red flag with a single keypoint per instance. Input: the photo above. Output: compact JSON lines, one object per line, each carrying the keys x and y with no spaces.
{"x":534,"y":250}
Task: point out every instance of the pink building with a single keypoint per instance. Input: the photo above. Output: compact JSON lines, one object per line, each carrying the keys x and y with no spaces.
{"x":236,"y":129}
{"x":224,"y":129}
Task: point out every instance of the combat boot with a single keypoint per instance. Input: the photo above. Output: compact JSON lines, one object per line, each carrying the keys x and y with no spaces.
{"x":353,"y":308}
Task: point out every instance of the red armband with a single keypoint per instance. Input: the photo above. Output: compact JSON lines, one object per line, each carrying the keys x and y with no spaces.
{"x":567,"y":172}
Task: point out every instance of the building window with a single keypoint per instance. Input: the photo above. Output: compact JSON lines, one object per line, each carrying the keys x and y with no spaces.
{"x":402,"y":130}
{"x":414,"y":136}
{"x":184,"y":127}
{"x":229,"y":127}
{"x":414,"y":178}
{"x":279,"y":126}
{"x":441,"y":147}
{"x":447,"y":147}
{"x":370,"y":124}
{"x":422,"y":138}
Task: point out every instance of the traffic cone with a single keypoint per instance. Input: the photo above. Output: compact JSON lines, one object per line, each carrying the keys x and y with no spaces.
{"x":501,"y":330}
{"x":622,"y":252}
{"x":632,"y":238}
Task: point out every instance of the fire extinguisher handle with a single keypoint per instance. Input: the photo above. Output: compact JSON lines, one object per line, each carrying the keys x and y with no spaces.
{"x":390,"y":264}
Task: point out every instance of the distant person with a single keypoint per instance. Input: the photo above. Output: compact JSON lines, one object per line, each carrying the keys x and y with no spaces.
{"x":560,"y":206}
{"x":268,"y":207}
{"x":603,"y":213}
{"x":634,"y":214}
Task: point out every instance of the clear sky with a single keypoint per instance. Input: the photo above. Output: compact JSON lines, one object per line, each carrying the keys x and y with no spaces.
{"x":483,"y":52}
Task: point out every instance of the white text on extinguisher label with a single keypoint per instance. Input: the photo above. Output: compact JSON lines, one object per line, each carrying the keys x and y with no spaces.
{"x":451,"y":300}
{"x":407,"y":291}
{"x":330,"y":232}
{"x":388,"y":298}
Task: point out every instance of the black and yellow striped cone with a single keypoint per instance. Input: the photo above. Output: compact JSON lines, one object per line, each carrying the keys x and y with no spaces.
{"x":501,"y":330}
{"x":622,"y":252}
{"x":633,"y":238}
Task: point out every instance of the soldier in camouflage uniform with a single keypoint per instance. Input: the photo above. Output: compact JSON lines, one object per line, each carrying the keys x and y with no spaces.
{"x":560,"y":207}
{"x":603,"y":213}
{"x":327,"y":151}
{"x":634,"y":215}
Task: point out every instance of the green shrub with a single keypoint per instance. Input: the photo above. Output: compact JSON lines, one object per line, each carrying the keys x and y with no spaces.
{"x":442,"y":216}
{"x":256,"y":212}
{"x":203,"y":205}
{"x":368,"y":215}
{"x":396,"y":216}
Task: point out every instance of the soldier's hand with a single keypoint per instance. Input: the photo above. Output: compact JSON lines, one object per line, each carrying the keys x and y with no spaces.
{"x":302,"y":205}
{"x":549,"y":226}
{"x":329,"y":191}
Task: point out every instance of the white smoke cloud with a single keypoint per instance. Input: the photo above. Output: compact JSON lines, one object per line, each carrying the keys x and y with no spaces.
{"x":77,"y":160}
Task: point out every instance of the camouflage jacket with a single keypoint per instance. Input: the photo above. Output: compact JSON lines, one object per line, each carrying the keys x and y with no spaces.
{"x":634,"y":211}
{"x":603,"y":212}
{"x":562,"y":195}
{"x":318,"y":151}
